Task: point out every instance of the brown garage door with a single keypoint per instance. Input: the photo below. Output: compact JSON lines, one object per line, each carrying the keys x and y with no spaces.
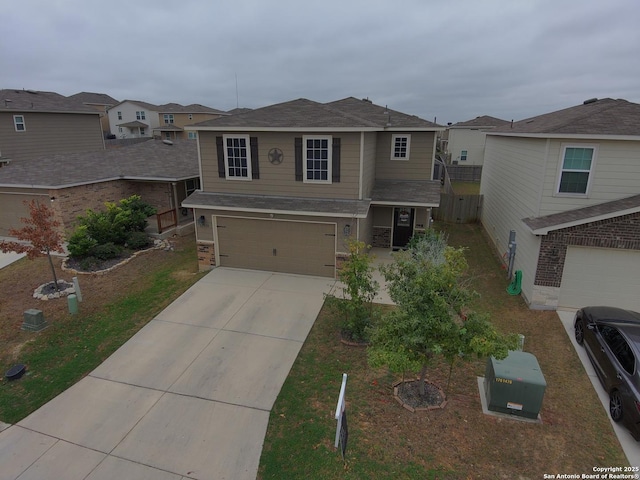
{"x":277,"y":246}
{"x":12,"y":209}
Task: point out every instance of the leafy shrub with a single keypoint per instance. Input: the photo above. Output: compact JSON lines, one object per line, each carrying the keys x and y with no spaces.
{"x":80,"y":242}
{"x":137,"y":240}
{"x":106,"y":251}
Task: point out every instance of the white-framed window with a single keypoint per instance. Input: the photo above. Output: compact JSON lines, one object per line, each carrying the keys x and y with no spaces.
{"x":119,"y":115}
{"x":141,"y":115}
{"x":237,"y":157}
{"x":168,"y":118}
{"x":142,"y":131}
{"x":192,"y":135}
{"x":576,"y":164}
{"x":119,"y":129}
{"x":191,"y":185}
{"x":400,"y":145}
{"x":167,"y":135}
{"x":19,"y":124}
{"x":463,"y":156}
{"x":191,"y":116}
{"x":316,"y":159}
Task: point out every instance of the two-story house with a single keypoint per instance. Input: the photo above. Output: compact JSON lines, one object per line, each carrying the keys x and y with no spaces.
{"x":133,"y":119}
{"x":174,"y":117}
{"x":284,"y":187}
{"x":98,"y":101}
{"x":466,"y":140}
{"x":567,"y":184}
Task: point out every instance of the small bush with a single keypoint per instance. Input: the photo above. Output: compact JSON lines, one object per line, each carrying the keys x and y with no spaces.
{"x":80,"y":242}
{"x":137,"y":240}
{"x":106,"y":251}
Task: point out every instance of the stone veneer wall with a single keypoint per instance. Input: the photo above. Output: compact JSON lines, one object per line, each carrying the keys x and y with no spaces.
{"x":381,"y":237}
{"x":619,"y":232}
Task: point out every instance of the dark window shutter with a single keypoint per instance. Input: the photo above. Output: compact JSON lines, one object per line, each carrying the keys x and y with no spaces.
{"x":255,"y":165}
{"x":222,"y":171}
{"x":298,"y":153}
{"x":335,"y":161}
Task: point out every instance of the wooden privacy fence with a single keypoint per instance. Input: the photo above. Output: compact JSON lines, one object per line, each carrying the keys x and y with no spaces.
{"x":458,"y":208}
{"x":465,"y":173}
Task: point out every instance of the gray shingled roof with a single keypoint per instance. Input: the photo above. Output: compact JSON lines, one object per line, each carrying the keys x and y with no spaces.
{"x":270,"y":203}
{"x":193,"y":108}
{"x":134,"y":124}
{"x":302,"y":113}
{"x":146,"y":105}
{"x":235,"y":111}
{"x":485,"y":121}
{"x":407,"y":192}
{"x":151,"y":160}
{"x":36,"y":101}
{"x":596,"y":117}
{"x":169,"y":127}
{"x":93,"y":98}
{"x":580,"y":216}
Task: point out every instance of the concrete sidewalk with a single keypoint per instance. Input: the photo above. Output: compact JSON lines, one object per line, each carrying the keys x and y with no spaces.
{"x":628,"y":443}
{"x":188,"y":397}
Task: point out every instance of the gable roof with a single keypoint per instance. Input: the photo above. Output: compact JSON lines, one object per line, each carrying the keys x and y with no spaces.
{"x":484,"y":121}
{"x":193,"y":108}
{"x":90,"y":98}
{"x":348,"y":114}
{"x":606,"y":117}
{"x":580,"y":216}
{"x":148,"y":106}
{"x":12,"y":100}
{"x":149,"y":160}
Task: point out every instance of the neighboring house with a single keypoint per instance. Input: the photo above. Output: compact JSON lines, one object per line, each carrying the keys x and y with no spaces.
{"x":34,"y":123}
{"x":162,"y":174}
{"x":174,"y":117}
{"x":133,"y":119}
{"x":466,"y":140}
{"x":98,"y":101}
{"x":568,"y":184}
{"x":285,"y":186}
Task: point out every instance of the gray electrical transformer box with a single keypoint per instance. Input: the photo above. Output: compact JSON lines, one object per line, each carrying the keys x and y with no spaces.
{"x":515,"y":385}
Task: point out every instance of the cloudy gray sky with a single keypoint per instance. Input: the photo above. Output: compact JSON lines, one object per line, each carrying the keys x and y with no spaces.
{"x":447,"y":59}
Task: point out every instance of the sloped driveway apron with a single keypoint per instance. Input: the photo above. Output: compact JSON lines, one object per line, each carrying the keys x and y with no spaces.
{"x":188,"y":397}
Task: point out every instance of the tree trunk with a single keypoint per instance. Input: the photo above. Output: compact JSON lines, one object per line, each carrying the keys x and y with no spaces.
{"x":53,"y":270}
{"x":423,"y":374}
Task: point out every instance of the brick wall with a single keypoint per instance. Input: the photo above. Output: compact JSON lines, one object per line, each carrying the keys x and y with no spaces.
{"x":381,"y":237}
{"x":620,"y":232}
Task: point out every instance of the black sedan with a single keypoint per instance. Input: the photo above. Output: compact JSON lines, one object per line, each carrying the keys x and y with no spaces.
{"x":611,"y":337}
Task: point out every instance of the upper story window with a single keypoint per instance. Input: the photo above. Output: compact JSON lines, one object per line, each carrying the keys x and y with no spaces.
{"x":317,"y":159}
{"x":192,"y":135}
{"x":18,"y":123}
{"x":119,"y":115}
{"x":463,"y":156}
{"x":575,"y":169}
{"x":168,"y":118}
{"x":237,"y":158}
{"x":400,"y":145}
{"x":141,"y":115}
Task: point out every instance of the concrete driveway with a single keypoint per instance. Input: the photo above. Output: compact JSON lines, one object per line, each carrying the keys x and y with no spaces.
{"x":628,"y":443}
{"x":188,"y":397}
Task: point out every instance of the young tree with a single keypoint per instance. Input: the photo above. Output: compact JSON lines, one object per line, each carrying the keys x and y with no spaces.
{"x":426,"y":283}
{"x":40,"y":234}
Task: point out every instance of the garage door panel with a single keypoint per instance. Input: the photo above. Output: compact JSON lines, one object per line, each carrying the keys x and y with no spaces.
{"x":274,"y":245}
{"x":600,"y":276}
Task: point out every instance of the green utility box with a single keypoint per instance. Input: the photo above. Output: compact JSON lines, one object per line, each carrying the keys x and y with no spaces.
{"x":515,"y":385}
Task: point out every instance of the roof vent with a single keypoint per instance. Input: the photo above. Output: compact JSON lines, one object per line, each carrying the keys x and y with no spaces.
{"x":591,"y":100}
{"x":167,"y":142}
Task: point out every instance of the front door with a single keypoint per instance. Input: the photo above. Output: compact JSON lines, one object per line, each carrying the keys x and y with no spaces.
{"x":402,"y":226}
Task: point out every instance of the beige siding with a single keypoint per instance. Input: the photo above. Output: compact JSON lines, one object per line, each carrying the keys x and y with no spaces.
{"x":382,"y":216}
{"x":512,"y":173}
{"x":369,"y":167}
{"x":280,"y":179}
{"x":48,"y":133}
{"x":419,"y":165}
{"x":616,"y":175}
{"x":14,"y":207}
{"x":470,"y":140}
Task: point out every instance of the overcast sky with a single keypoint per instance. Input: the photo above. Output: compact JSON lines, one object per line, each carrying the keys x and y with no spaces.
{"x":447,"y":59}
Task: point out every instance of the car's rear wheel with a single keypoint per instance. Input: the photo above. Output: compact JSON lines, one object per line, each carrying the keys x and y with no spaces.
{"x":578,"y":331}
{"x":615,"y":406}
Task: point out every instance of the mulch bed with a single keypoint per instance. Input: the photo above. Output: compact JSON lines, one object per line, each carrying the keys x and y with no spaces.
{"x":407,"y":393}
